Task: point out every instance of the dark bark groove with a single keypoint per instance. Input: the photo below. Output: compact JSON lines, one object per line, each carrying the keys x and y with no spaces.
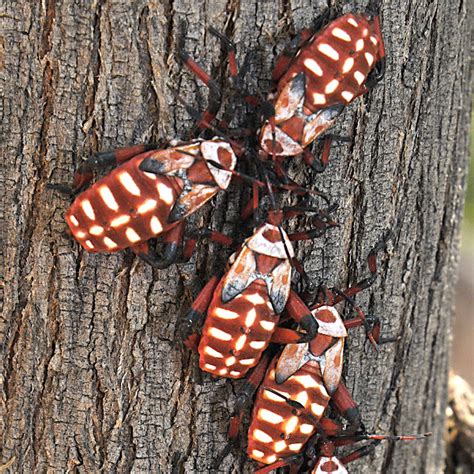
{"x":92,"y":376}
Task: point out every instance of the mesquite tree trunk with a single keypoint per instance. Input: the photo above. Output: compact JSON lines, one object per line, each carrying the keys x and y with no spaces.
{"x":92,"y":375}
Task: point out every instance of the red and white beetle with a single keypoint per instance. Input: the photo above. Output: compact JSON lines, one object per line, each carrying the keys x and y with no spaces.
{"x":244,"y":306}
{"x":317,"y":77}
{"x":309,"y":374}
{"x":149,"y":195}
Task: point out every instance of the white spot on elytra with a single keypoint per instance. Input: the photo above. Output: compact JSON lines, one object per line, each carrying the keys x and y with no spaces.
{"x":110,"y":243}
{"x":329,"y":51}
{"x":275,"y":398}
{"x":240,"y":342}
{"x":87,"y":208}
{"x":165,"y":193}
{"x":129,"y":184}
{"x":132,"y":236}
{"x":348,"y":65}
{"x":225,"y":313}
{"x":257,"y":344}
{"x":210,"y":367}
{"x":267,"y":325}
{"x":317,"y":409}
{"x":250,"y":318}
{"x":306,"y":429}
{"x":341,"y":34}
{"x":279,"y":446}
{"x":365,"y":32}
{"x":295,"y":447}
{"x":306,"y":381}
{"x":291,"y":424}
{"x":347,"y":95}
{"x":271,"y":459}
{"x":230,"y":361}
{"x":108,"y":198}
{"x":74,"y":220}
{"x":96,"y":230}
{"x":234,"y":373}
{"x":155,"y":225}
{"x":360,"y":45}
{"x":332,"y":86}
{"x":359,"y":77}
{"x":247,"y":361}
{"x":319,"y":98}
{"x":260,"y":435}
{"x":269,"y":416}
{"x":302,"y":397}
{"x":79,"y":234}
{"x":120,"y":220}
{"x":369,"y":58}
{"x":147,"y":206}
{"x":313,"y":66}
{"x":254,"y":298}
{"x":257,"y":454}
{"x":89,"y":244}
{"x":353,"y":22}
{"x":374,"y":40}
{"x":221,"y":335}
{"x":213,"y":353}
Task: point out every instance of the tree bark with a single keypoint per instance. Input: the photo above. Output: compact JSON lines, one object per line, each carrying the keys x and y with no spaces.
{"x":92,"y":374}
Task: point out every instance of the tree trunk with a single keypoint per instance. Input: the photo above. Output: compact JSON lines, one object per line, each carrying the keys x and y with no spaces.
{"x":92,"y":375}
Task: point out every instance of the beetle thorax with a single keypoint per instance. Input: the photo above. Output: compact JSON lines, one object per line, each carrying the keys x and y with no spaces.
{"x":267,"y":240}
{"x":220,"y":159}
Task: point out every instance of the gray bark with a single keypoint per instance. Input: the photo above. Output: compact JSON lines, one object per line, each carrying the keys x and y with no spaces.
{"x":92,"y":376}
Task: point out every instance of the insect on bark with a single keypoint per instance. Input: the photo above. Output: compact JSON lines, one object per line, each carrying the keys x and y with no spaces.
{"x":318,"y":75}
{"x":149,"y":195}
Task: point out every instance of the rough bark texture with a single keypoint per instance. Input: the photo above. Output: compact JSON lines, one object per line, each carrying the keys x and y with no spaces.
{"x":92,"y":375}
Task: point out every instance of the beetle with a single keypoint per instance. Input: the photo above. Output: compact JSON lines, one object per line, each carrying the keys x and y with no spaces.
{"x":318,"y":75}
{"x":244,"y":306}
{"x":150,"y":194}
{"x":310,"y":374}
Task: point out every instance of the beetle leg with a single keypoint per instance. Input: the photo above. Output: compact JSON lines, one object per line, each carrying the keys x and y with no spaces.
{"x":347,"y":407}
{"x":196,"y":313}
{"x":361,"y":452}
{"x":311,"y":234}
{"x":215,"y":93}
{"x":84,"y":173}
{"x":171,"y":242}
{"x":372,"y":264}
{"x":298,"y":310}
{"x":192,"y":239}
{"x":252,"y":205}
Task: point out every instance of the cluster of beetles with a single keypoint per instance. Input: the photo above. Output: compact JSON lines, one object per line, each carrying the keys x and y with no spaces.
{"x":251,"y":323}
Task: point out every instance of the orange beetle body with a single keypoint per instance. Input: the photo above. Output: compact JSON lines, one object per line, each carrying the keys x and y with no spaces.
{"x":328,"y":72}
{"x":130,"y":205}
{"x":246,"y":305}
{"x":307,"y":373}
